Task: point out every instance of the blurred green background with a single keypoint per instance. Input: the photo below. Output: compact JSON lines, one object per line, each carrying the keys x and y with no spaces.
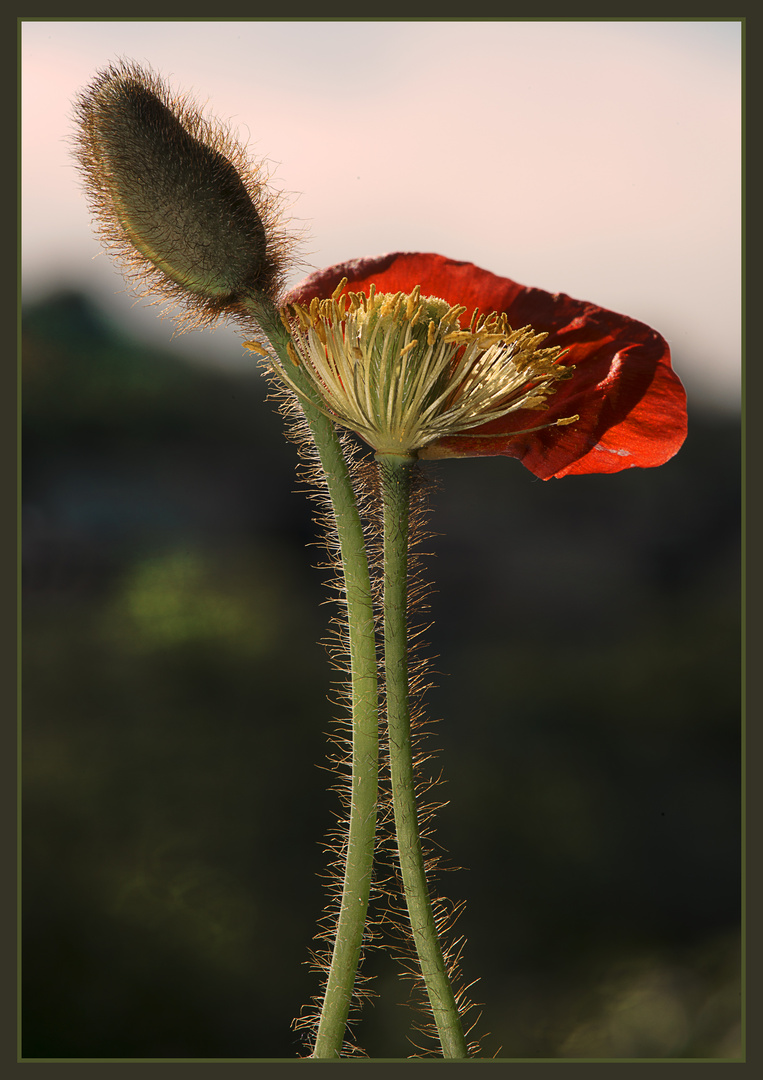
{"x":175,"y":711}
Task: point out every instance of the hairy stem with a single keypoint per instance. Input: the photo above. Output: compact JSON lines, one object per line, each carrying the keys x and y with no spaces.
{"x":365,"y":745}
{"x":396,"y":487}
{"x":358,"y":868}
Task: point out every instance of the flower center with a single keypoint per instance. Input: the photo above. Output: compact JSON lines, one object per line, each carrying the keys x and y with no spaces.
{"x":398,"y":369}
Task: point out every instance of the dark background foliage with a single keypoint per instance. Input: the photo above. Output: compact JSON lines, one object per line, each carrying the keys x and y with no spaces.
{"x":587,"y":635}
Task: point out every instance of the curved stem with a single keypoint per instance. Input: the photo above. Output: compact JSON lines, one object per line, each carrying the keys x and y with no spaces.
{"x":356,"y":887}
{"x":396,"y":486}
{"x":365,"y":744}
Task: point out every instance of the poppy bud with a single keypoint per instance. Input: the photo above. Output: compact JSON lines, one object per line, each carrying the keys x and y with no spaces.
{"x":174,"y":194}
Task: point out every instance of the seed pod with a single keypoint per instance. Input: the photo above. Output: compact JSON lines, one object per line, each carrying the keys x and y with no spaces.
{"x":174,"y":195}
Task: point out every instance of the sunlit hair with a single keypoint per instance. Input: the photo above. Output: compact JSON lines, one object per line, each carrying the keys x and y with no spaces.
{"x":176,"y":199}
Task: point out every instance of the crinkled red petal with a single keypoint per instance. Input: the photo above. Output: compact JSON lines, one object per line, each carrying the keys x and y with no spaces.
{"x":631,"y":403}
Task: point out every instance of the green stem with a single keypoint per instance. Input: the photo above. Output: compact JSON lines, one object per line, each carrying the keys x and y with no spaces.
{"x":396,"y":486}
{"x":353,"y":909}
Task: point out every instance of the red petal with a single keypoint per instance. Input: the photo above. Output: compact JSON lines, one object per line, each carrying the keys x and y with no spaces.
{"x":631,"y":403}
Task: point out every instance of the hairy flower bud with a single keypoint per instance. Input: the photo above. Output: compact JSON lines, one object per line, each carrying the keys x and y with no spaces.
{"x":175,"y":197}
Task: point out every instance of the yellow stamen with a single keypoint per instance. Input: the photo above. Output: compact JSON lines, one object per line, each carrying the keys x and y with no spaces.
{"x":257,"y":348}
{"x":339,"y":289}
{"x":402,"y":393}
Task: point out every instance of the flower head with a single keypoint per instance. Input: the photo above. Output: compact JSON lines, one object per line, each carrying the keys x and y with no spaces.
{"x":175,"y":198}
{"x":398,"y":368}
{"x":609,"y":372}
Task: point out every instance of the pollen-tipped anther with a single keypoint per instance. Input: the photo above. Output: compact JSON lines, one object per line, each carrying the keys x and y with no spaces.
{"x":403,"y":391}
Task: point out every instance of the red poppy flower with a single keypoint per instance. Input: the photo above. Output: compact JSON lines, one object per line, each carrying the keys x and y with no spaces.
{"x":631,"y":404}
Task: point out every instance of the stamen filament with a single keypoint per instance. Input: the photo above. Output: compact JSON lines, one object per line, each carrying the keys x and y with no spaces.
{"x":377,"y":375}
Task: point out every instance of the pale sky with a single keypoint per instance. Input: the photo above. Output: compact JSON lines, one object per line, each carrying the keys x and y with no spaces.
{"x":600,"y":159}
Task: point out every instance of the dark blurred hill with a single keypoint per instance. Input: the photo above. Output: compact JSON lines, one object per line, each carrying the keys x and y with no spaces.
{"x":587,"y":635}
